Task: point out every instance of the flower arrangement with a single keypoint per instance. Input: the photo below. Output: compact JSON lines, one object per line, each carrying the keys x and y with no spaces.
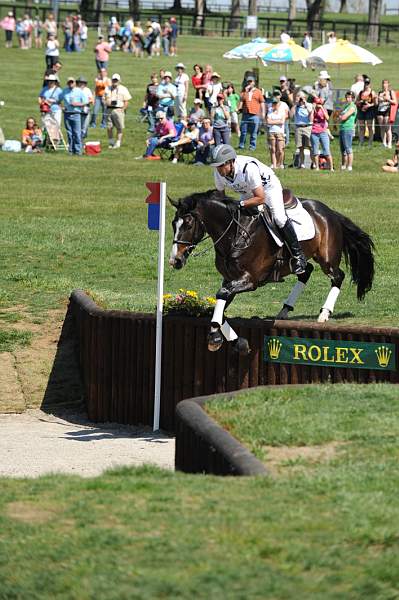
{"x":188,"y":303}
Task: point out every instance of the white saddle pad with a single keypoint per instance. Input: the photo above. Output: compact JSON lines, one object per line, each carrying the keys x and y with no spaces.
{"x":302,"y":223}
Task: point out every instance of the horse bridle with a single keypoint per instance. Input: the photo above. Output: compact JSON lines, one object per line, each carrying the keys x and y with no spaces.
{"x":190,"y":245}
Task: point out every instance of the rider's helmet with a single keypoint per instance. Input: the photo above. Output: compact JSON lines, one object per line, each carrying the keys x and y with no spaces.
{"x":222,"y":154}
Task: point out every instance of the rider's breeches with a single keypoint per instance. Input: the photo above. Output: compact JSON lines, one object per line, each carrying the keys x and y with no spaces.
{"x":274,"y":200}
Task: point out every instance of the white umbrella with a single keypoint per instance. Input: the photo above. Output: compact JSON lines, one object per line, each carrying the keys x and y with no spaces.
{"x":343,"y":52}
{"x":248,"y":50}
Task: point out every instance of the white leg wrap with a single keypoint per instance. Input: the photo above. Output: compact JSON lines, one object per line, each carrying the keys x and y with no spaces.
{"x":217,"y":316}
{"x":295,"y":293}
{"x":228,"y":332}
{"x":328,"y":307}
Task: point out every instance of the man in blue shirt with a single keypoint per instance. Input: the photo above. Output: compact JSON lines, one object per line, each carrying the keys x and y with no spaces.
{"x":74,"y":99}
{"x":302,"y":111}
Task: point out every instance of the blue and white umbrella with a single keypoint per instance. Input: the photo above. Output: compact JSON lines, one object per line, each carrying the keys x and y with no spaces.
{"x":248,"y":50}
{"x":284,"y":53}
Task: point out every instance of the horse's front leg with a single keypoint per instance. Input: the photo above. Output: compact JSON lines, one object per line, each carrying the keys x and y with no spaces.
{"x":219,"y":326}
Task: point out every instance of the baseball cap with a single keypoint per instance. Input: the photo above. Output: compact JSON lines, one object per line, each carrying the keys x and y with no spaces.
{"x":167,"y":74}
{"x":198,"y":101}
{"x":52,"y":77}
{"x":81,"y":79}
{"x":116,"y":76}
{"x":283,"y":78}
{"x":160,"y":114}
{"x":70,"y":79}
{"x":180,"y":65}
{"x":250,"y":78}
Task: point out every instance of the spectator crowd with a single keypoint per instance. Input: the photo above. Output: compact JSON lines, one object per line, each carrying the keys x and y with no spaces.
{"x":304,"y":116}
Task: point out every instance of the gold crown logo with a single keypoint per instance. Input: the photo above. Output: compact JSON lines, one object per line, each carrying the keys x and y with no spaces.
{"x":274,"y":348}
{"x":383,"y":355}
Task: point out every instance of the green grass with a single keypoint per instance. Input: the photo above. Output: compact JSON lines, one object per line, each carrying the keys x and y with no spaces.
{"x":366,"y":416}
{"x":11,"y":339}
{"x":81,"y":222}
{"x":324,"y":529}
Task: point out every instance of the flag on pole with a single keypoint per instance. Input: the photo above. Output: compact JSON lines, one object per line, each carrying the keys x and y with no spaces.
{"x":153,"y":201}
{"x":156,"y":221}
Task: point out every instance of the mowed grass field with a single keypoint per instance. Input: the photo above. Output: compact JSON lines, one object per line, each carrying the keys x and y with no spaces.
{"x":81,"y":222}
{"x":324,"y":524}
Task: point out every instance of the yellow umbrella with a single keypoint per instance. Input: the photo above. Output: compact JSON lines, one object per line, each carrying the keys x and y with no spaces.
{"x":343,"y":52}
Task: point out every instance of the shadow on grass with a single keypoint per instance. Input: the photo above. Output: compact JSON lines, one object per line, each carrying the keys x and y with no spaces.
{"x":64,"y":391}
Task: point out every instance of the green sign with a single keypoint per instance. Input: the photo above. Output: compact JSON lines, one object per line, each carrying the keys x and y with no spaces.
{"x":329,"y":353}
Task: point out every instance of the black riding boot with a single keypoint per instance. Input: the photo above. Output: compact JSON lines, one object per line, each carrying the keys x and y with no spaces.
{"x":291,"y":240}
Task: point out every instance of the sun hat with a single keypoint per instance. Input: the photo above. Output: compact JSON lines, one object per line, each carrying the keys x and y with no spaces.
{"x":197,"y":101}
{"x":81,"y":79}
{"x":116,"y":77}
{"x":167,"y":74}
{"x":324,"y":75}
{"x":214,"y":74}
{"x":160,"y":114}
{"x":180,"y":66}
{"x":71,"y":79}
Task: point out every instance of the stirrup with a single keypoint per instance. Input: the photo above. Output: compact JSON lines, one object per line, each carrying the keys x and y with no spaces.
{"x":298,"y":265}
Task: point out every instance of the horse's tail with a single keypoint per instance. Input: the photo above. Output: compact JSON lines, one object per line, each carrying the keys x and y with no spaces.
{"x":358,"y":248}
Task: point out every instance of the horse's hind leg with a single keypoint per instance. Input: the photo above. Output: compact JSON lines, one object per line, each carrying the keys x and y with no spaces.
{"x":337,"y":276}
{"x":296,"y":291}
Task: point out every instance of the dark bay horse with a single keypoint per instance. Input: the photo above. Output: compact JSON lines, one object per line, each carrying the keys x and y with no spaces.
{"x":248,"y":257}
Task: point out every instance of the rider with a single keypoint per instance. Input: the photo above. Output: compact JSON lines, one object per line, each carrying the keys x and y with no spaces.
{"x":257,"y":185}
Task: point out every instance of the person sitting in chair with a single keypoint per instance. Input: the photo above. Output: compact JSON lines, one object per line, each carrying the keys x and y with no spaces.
{"x":187,"y":142}
{"x":258,"y":185}
{"x":32,"y":138}
{"x":165,"y":132}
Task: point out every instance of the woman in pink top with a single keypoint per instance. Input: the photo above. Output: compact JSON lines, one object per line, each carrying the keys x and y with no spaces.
{"x":8,"y":24}
{"x":320,"y":135}
{"x":102,"y":51}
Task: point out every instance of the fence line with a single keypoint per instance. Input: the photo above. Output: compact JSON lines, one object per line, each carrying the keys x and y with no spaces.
{"x":117,"y":360}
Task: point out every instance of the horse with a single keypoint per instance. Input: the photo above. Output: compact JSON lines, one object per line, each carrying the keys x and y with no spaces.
{"x":247,"y":256}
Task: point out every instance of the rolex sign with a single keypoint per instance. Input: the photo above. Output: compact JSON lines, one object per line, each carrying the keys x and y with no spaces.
{"x":329,"y":353}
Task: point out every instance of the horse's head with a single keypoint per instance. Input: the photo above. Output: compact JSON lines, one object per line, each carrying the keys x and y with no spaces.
{"x":188,"y":230}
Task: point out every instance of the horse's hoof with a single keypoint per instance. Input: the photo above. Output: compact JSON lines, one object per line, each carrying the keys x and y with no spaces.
{"x":241,"y":346}
{"x":324,"y":315}
{"x":215,"y":341}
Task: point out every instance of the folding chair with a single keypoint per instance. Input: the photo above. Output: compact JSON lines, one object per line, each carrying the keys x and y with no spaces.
{"x":53,"y":138}
{"x":165,"y":152}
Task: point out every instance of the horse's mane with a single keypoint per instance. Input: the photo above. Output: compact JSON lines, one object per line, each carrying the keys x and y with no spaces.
{"x":190,"y":203}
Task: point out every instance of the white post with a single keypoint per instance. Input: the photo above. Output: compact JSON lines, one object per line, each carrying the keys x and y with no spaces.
{"x":158,"y":339}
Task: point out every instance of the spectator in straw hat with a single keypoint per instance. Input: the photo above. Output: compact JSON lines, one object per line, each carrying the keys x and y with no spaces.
{"x":166,"y":93}
{"x":116,"y":98}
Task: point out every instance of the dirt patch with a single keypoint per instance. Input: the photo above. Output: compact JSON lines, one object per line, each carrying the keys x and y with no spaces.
{"x":11,"y":396}
{"x":27,"y":512}
{"x":278,"y":458}
{"x":46,"y":371}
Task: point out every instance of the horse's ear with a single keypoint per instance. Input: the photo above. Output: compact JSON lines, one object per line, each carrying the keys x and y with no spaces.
{"x":174,"y":203}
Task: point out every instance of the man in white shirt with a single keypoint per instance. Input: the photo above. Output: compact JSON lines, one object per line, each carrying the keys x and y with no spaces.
{"x":358,"y":86}
{"x":116,"y":99}
{"x":257,"y":184}
{"x":181,"y":83}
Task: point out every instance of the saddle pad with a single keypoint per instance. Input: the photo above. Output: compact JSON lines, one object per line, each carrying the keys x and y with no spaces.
{"x":301,"y":221}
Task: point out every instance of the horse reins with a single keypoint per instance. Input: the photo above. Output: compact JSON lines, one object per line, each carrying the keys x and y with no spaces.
{"x":214,"y":244}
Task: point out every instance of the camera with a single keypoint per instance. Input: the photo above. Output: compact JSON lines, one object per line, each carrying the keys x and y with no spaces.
{"x":114,"y":103}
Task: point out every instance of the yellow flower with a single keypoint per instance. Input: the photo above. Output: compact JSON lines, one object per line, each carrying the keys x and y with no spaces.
{"x":167,"y":296}
{"x":192,"y":294}
{"x":210,"y":300}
